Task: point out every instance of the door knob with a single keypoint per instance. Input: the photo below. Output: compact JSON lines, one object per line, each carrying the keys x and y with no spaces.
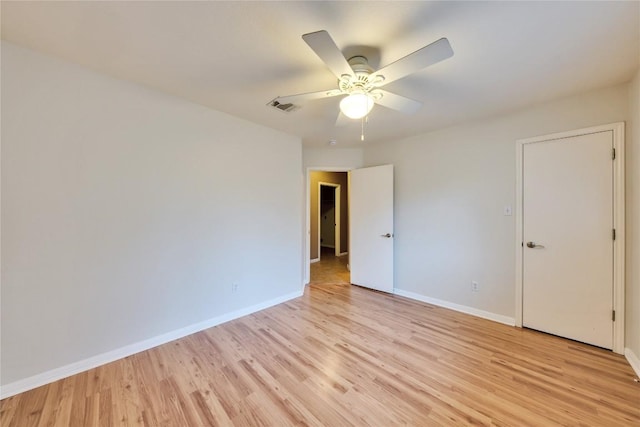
{"x":388,"y":235}
{"x":533,"y":245}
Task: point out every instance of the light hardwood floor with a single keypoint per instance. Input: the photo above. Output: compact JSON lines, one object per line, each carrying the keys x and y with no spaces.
{"x":343,"y":355}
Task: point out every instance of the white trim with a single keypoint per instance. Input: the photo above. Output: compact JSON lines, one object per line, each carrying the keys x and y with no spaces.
{"x":314,"y":260}
{"x":510,"y":321}
{"x":307,"y":190}
{"x":343,"y":254}
{"x":634,"y":360}
{"x":619,"y":255}
{"x":618,"y":222}
{"x":56,"y":374}
{"x":519,"y":237}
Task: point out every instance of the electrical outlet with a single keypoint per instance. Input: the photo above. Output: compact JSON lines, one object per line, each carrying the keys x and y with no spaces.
{"x":475,"y":287}
{"x":234,"y":288}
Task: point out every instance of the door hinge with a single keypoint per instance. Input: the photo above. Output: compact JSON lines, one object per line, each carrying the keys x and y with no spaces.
{"x":613,"y":154}
{"x":613,"y":234}
{"x":613,"y":315}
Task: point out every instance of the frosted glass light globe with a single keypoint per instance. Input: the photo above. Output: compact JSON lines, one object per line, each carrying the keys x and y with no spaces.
{"x":357,"y":105}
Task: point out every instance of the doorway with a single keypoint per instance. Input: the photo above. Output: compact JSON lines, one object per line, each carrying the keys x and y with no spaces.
{"x":328,"y":227}
{"x":368,"y":227}
{"x":570,"y":235}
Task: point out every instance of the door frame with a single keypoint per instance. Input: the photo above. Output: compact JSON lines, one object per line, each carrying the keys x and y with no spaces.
{"x":336,"y":230}
{"x":618,"y":223}
{"x":307,"y":209}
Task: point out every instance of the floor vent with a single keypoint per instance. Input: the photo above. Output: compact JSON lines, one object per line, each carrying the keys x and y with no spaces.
{"x":287,"y":108}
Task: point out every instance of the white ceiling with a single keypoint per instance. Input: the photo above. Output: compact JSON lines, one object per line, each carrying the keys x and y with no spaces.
{"x":237,"y":56}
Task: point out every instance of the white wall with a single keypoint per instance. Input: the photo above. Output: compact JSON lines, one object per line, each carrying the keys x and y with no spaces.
{"x":632,"y":342}
{"x":332,"y":157}
{"x":450,"y":190}
{"x":127,"y":213}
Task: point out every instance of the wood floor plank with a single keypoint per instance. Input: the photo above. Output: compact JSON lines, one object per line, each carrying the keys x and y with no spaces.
{"x":342,"y":355}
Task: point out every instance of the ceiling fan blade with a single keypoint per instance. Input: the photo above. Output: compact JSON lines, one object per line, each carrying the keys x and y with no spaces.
{"x":421,"y":58}
{"x":301,"y":97}
{"x":324,"y":46}
{"x":397,"y":102}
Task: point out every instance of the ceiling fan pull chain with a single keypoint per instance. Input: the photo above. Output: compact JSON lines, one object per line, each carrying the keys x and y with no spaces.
{"x":362,"y":131}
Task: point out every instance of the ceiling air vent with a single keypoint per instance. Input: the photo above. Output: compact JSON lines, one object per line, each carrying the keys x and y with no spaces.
{"x":287,"y":108}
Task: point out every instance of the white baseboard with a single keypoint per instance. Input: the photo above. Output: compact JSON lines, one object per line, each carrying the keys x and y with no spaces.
{"x":110,"y":356}
{"x":343,"y":253}
{"x":457,"y":307}
{"x":633,"y":359}
{"x":314,"y":260}
{"x":328,"y":246}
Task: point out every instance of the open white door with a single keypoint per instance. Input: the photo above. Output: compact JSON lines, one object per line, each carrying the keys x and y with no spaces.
{"x":371,"y":227}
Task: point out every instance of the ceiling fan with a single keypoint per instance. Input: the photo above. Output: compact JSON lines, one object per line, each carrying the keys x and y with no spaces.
{"x":360,"y":83}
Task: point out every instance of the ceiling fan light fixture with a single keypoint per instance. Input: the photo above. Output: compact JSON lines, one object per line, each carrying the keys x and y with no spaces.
{"x":356,"y":105}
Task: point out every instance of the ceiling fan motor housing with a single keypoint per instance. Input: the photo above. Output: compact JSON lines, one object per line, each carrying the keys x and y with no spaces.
{"x":359,"y":81}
